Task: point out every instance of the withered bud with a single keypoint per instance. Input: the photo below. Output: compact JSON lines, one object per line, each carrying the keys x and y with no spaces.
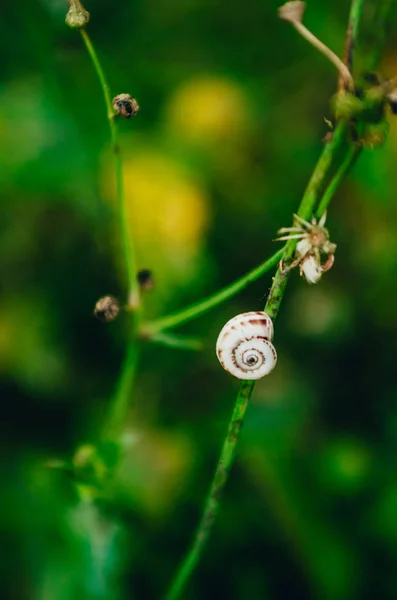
{"x":107,"y":308}
{"x":77,"y":17}
{"x":292,"y":11}
{"x":145,"y":279}
{"x":125,"y":105}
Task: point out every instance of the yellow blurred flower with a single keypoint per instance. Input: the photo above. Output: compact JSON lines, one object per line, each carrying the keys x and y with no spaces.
{"x":168,"y":215}
{"x":208,"y":109}
{"x":165,"y":206}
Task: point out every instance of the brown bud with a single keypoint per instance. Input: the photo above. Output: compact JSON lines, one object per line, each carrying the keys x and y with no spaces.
{"x":292,"y":11}
{"x":125,"y":105}
{"x":77,"y":17}
{"x":145,"y":279}
{"x":107,"y":308}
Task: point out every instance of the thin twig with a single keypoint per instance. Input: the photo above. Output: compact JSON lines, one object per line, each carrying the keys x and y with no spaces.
{"x":339,"y":64}
{"x":203,"y":306}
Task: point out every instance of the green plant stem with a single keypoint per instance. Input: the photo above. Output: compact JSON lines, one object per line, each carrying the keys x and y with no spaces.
{"x":356,"y":9}
{"x":128,"y":246}
{"x":199,"y":308}
{"x":122,"y":397}
{"x":218,"y":483}
{"x":306,"y":209}
{"x":121,"y":400}
{"x":349,"y":160}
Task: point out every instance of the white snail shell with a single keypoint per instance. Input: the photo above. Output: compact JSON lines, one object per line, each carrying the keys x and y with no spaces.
{"x":244,"y":346}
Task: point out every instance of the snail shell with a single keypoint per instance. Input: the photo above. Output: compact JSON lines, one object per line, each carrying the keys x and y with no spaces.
{"x":244,"y":346}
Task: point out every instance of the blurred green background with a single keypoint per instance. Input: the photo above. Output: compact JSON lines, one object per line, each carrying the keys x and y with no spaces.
{"x":231,"y":123}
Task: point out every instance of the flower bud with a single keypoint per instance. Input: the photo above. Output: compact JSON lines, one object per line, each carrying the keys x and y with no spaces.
{"x":107,"y":308}
{"x":77,"y":17}
{"x":125,"y":105}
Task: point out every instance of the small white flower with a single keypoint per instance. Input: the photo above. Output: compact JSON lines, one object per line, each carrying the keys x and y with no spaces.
{"x":313,"y":243}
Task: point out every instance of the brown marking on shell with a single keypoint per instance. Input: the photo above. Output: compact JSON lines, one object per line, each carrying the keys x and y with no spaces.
{"x":263,"y":321}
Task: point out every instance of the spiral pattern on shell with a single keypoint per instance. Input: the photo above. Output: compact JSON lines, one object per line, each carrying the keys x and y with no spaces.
{"x":244,"y":346}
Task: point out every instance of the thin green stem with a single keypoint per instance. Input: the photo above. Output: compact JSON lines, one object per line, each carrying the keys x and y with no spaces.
{"x":306,"y":209}
{"x":198,"y":308}
{"x":348,"y":162}
{"x":177,"y":341}
{"x":122,"y":397}
{"x":356,"y":9}
{"x":129,"y":251}
{"x":121,"y":400}
{"x":212,"y":503}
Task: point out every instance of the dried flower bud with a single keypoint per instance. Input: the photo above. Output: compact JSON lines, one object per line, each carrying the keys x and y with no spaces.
{"x":125,"y":105}
{"x":77,"y":17}
{"x":107,"y":308}
{"x":145,"y":279}
{"x":292,"y":11}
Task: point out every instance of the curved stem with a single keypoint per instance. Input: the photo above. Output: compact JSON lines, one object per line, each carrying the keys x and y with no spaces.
{"x":129,"y":251}
{"x":201,"y":307}
{"x":306,"y":208}
{"x":314,"y":41}
{"x":122,"y":397}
